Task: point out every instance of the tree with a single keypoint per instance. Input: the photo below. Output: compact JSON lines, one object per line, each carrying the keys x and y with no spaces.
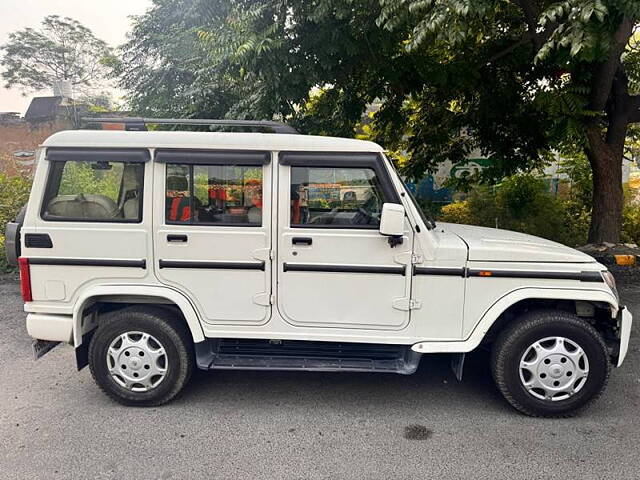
{"x":592,"y":96}
{"x":257,"y":58}
{"x":61,"y":50}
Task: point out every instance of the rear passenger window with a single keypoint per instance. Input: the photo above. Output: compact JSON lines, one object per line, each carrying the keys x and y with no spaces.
{"x":214,"y":194}
{"x":327,"y":196}
{"x":100,"y":191}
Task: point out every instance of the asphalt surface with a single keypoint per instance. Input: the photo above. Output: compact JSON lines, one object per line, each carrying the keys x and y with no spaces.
{"x":55,"y":423}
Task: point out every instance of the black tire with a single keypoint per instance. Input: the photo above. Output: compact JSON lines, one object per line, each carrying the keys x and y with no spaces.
{"x":512,"y":343}
{"x":169,"y":331}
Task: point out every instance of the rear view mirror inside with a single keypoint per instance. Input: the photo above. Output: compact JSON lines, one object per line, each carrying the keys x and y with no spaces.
{"x":101,"y":166}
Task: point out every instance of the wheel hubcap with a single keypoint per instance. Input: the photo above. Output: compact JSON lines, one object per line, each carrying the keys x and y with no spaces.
{"x":554,"y":368}
{"x":137,"y":361}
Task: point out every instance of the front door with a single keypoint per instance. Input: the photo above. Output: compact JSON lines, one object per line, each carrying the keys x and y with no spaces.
{"x":335,"y":270}
{"x":213,"y":231}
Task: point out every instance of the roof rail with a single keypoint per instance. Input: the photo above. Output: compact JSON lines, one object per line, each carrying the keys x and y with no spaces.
{"x":140,"y":124}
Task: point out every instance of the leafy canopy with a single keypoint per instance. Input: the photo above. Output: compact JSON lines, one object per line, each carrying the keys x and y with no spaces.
{"x":449,"y":78}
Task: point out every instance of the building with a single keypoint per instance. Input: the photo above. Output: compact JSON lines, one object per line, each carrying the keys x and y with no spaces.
{"x":21,"y":136}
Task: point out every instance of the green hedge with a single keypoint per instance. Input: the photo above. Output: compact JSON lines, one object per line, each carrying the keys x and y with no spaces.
{"x":14,"y":193}
{"x":524,"y":204}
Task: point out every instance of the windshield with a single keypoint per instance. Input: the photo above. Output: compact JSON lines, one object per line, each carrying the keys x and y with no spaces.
{"x":425,"y":216}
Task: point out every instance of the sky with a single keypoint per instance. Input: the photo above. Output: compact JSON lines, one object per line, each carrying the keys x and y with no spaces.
{"x":108,"y":19}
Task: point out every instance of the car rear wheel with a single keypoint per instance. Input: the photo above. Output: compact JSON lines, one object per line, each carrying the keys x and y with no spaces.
{"x":550,"y":363}
{"x":141,"y":356}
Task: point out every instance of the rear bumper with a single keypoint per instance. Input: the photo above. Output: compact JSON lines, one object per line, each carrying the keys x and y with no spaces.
{"x":56,"y":328}
{"x":625,"y":319}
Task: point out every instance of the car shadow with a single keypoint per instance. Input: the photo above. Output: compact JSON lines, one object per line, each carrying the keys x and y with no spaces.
{"x":433,"y":386}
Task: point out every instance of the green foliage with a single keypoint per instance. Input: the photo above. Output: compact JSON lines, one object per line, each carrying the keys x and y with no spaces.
{"x":79,"y":177}
{"x":62,"y":49}
{"x":14,"y":193}
{"x":522,"y":203}
{"x":510,"y":80}
{"x":631,"y":224}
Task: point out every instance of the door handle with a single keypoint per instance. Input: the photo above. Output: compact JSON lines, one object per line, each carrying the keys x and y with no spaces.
{"x":177,"y":238}
{"x":302,"y":240}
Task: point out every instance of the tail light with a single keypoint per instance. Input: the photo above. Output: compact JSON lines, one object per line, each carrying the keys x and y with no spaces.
{"x":25,"y":279}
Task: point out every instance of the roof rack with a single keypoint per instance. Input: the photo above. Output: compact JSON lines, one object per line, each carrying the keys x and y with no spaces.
{"x":140,"y":124}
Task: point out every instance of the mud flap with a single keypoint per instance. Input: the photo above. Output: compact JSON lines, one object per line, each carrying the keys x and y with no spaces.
{"x":42,"y":347}
{"x":82,"y":352}
{"x":457,"y":364}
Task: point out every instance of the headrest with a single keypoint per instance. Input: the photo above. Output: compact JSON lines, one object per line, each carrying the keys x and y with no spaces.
{"x":176,"y":182}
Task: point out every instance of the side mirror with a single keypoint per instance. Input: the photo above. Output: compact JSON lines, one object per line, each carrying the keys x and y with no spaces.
{"x":392,"y":223}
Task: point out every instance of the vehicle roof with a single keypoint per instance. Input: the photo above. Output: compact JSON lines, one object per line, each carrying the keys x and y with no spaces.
{"x":207,"y":140}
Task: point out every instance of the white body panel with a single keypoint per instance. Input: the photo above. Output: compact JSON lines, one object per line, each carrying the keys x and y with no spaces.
{"x":222,"y":296}
{"x":434,"y":305}
{"x":492,"y":244}
{"x":340,"y":299}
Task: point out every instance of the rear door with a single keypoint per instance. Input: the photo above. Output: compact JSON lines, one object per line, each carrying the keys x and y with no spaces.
{"x":212,"y":231}
{"x":335,"y":270}
{"x":91,"y":223}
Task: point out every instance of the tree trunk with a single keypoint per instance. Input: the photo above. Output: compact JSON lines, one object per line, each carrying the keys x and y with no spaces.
{"x":608,"y":198}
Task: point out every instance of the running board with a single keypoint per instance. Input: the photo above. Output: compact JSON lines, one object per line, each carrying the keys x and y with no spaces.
{"x":236,"y":354}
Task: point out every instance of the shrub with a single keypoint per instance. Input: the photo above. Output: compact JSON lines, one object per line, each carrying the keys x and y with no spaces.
{"x":457,"y":212}
{"x":631,"y":224}
{"x":521,"y":203}
{"x":14,"y":193}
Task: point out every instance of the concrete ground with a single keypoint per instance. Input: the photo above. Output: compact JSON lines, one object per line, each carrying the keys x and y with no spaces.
{"x":55,"y":423}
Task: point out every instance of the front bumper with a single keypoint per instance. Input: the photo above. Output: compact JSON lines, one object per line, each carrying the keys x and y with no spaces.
{"x":625,"y":319}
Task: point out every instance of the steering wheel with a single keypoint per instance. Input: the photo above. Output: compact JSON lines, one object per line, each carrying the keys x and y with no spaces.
{"x":366,"y":216}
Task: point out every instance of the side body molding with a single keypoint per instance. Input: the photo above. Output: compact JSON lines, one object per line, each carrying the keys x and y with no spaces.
{"x":143,"y":291}
{"x":492,"y":313}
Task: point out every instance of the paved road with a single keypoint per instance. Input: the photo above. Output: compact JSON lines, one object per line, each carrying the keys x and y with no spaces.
{"x":55,"y":423}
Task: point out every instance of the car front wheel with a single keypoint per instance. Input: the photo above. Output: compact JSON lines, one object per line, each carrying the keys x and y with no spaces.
{"x":550,"y":363}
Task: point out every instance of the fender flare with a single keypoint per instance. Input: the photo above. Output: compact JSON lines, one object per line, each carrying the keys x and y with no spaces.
{"x":489,"y":317}
{"x":147,"y":291}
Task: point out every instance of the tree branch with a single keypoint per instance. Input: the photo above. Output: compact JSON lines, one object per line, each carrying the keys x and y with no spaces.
{"x":531,"y":13}
{"x":606,"y":71}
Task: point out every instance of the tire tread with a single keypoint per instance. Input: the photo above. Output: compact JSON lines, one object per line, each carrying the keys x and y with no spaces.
{"x":505,"y":343}
{"x":170,"y":325}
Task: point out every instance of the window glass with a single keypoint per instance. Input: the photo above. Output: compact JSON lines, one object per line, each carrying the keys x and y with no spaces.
{"x":94,"y":191}
{"x":350,"y":197}
{"x":214,"y":194}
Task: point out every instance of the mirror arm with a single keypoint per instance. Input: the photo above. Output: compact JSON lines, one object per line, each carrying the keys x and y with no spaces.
{"x":395,"y":240}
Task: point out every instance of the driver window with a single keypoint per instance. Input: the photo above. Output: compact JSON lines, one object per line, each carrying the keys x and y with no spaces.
{"x":348,"y":197}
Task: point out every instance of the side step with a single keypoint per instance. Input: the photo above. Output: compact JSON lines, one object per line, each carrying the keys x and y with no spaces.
{"x":246,"y":354}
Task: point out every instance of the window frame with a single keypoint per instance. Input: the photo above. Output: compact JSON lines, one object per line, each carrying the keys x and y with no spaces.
{"x":62,"y":155}
{"x":364,"y":160}
{"x":211,"y":158}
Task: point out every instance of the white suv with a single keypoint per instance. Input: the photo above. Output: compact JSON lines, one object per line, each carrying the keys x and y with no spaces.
{"x":153,"y":253}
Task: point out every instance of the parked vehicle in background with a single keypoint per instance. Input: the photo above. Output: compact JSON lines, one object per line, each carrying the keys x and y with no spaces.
{"x":154,"y":253}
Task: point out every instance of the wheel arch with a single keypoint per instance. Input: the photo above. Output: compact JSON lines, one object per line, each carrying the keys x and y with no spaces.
{"x":509,"y":306}
{"x":84,"y":321}
{"x":496,"y":316}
